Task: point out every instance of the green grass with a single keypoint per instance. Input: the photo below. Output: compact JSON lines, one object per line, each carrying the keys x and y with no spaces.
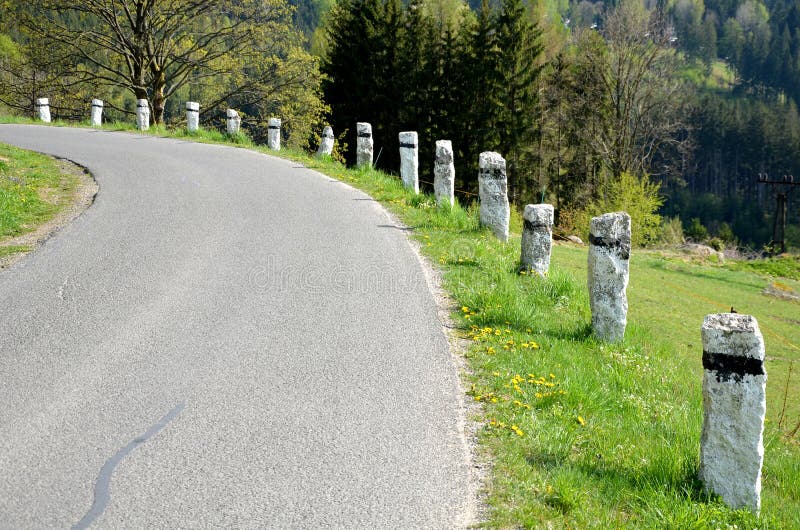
{"x":32,"y":190}
{"x":10,"y":250}
{"x":779,"y":267}
{"x":584,"y":434}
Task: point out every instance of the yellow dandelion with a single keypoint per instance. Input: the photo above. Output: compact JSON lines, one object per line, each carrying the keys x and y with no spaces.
{"x":581,"y":420}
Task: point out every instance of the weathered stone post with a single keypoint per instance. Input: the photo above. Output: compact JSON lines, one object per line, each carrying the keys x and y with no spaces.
{"x":409,"y":160}
{"x":326,"y":142}
{"x":142,"y":115}
{"x":537,"y":238}
{"x":734,"y":405}
{"x":274,"y":134}
{"x":43,"y":106}
{"x":97,"y":112}
{"x":192,"y":116}
{"x":493,"y":193}
{"x":609,"y":257}
{"x":444,"y":173}
{"x":234,"y":121}
{"x":364,"y":144}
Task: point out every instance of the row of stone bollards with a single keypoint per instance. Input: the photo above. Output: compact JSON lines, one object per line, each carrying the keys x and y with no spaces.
{"x":233,"y":120}
{"x":734,"y":384}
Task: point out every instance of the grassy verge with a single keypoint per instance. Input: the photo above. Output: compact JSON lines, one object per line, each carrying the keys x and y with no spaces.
{"x":584,"y":434}
{"x":32,"y":190}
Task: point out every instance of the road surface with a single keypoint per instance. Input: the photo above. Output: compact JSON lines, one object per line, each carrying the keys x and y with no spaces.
{"x":223,"y":339}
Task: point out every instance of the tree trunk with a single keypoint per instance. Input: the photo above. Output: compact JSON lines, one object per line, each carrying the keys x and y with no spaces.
{"x":159,"y":101}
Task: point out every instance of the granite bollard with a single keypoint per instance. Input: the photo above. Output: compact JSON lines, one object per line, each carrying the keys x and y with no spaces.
{"x":609,"y":259}
{"x":43,"y":108}
{"x":326,"y":142}
{"x":444,"y":173}
{"x":234,"y":122}
{"x":142,"y":115}
{"x":192,"y":116}
{"x":537,"y":238}
{"x":274,"y":134}
{"x":97,"y":112}
{"x":409,"y":160}
{"x":364,"y":144}
{"x":734,"y":406}
{"x":493,"y":193}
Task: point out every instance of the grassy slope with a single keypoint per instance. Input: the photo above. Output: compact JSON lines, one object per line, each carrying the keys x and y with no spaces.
{"x":584,"y":434}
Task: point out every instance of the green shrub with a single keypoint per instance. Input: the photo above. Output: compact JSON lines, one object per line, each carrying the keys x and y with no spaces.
{"x":717,"y":244}
{"x":696,"y":231}
{"x":725,"y":233}
{"x":672,"y":232}
{"x":635,"y":195}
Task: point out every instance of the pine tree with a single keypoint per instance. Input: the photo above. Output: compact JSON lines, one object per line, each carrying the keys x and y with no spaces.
{"x":360,"y":67}
{"x":518,"y":39}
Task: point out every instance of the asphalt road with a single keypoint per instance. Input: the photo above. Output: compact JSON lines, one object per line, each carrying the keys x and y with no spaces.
{"x":223,"y":339}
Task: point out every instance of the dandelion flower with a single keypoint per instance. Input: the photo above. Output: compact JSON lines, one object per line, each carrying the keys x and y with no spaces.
{"x":581,"y":420}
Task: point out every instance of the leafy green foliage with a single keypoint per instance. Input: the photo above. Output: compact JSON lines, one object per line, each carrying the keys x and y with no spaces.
{"x":637,"y":196}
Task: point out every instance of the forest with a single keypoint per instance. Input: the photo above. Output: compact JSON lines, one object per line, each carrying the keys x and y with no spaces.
{"x":670,"y":109}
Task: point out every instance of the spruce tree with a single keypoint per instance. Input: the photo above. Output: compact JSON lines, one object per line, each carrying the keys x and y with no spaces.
{"x":519,"y":43}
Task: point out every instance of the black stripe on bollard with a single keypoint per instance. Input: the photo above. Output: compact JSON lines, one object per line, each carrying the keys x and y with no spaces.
{"x":408,"y":146}
{"x":142,"y":106}
{"x":97,"y":106}
{"x":531,"y":226}
{"x":734,"y":367}
{"x":612,"y":244}
{"x":328,"y":137}
{"x":274,"y":128}
{"x":365,"y":135}
{"x":193,"y":110}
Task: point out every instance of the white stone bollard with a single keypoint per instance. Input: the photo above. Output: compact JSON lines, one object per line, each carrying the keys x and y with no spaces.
{"x":409,"y":160}
{"x":493,"y":193}
{"x":142,"y":115}
{"x":326,"y":142}
{"x":609,"y":258}
{"x":97,"y":113}
{"x":192,"y":116}
{"x":734,"y":405}
{"x":274,"y":134}
{"x":537,"y":238}
{"x":364,"y":144}
{"x":444,"y":173}
{"x":234,"y":121}
{"x":43,"y":106}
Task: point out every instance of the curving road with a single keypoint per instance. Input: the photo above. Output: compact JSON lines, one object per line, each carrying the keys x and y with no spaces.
{"x":223,"y":339}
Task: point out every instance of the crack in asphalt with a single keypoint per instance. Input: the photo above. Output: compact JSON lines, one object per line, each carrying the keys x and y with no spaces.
{"x":102,"y":494}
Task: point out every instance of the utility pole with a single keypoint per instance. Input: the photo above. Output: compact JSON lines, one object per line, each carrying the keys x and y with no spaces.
{"x":787,"y":184}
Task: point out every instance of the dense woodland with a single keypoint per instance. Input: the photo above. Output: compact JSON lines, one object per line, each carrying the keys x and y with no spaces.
{"x":669,"y":107}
